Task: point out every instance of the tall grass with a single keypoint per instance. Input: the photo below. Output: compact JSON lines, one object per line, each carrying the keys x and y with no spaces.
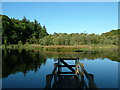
{"x":61,"y":48}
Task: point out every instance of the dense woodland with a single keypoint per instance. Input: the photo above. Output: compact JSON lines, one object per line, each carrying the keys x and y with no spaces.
{"x":21,"y":31}
{"x":15,"y":31}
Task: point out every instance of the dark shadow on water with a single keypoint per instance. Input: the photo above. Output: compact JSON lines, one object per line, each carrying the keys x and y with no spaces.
{"x":21,"y":60}
{"x":74,"y":79}
{"x":14,"y":61}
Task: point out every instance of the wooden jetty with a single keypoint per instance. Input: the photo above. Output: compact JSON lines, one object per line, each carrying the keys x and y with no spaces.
{"x":76,"y":78}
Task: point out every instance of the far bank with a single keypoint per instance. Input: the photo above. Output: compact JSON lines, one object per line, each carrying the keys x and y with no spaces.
{"x":62,"y":48}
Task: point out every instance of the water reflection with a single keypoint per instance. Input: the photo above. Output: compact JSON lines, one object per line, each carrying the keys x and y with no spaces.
{"x":14,"y":61}
{"x":23,"y":67}
{"x":112,"y":55}
{"x":73,"y":79}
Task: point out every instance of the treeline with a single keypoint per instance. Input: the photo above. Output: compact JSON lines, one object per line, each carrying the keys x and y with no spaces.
{"x":109,"y":38}
{"x":26,"y":32}
{"x":23,"y":31}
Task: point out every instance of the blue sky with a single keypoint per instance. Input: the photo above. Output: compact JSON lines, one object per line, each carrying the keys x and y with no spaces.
{"x":72,"y":17}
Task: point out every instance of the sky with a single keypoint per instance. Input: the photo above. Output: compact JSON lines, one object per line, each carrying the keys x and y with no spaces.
{"x":67,"y":17}
{"x":60,"y":0}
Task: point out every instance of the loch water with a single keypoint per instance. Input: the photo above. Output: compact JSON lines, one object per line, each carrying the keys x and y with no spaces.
{"x":29,"y":68}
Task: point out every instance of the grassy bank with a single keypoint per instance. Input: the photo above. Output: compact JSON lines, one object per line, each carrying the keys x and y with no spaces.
{"x":62,"y":48}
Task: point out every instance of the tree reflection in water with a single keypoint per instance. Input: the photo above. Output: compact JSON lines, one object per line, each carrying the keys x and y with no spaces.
{"x":14,"y":61}
{"x":21,"y":60}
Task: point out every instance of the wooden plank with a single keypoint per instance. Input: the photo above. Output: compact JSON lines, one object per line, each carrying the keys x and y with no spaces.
{"x":48,"y":81}
{"x":50,"y":76}
{"x":66,"y":75}
{"x":55,"y":81}
{"x":59,"y":68}
{"x":68,"y":81}
{"x":82,"y":81}
{"x":88,"y":77}
{"x":67,"y":66}
{"x":67,"y":72}
{"x":68,"y":58}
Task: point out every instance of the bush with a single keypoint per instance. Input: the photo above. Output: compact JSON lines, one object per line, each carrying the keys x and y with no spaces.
{"x":20,"y":43}
{"x":27,"y":43}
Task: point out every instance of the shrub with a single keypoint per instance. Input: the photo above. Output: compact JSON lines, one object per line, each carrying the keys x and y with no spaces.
{"x":20,"y":43}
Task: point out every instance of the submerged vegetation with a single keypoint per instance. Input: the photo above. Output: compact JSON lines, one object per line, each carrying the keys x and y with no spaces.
{"x":26,"y":32}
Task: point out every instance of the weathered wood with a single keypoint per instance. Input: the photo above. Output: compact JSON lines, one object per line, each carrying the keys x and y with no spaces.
{"x":67,"y":81}
{"x":80,"y":72}
{"x":92,"y":77}
{"x":76,"y":67}
{"x":48,"y":80}
{"x":67,"y":72}
{"x":93,"y":85}
{"x":68,"y":75}
{"x":50,"y":76}
{"x":67,"y":66}
{"x":55,"y":81}
{"x":82,"y":81}
{"x":79,"y":69}
{"x":59,"y":68}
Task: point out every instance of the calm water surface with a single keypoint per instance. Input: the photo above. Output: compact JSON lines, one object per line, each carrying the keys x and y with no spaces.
{"x":28,"y":69}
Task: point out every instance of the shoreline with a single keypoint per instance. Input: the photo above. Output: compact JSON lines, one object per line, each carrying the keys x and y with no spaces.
{"x":62,"y":48}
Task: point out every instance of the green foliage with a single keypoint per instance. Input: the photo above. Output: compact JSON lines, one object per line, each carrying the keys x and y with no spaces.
{"x":20,"y":42}
{"x":15,"y":30}
{"x":27,"y":43}
{"x":112,"y":33}
{"x":80,"y":39}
